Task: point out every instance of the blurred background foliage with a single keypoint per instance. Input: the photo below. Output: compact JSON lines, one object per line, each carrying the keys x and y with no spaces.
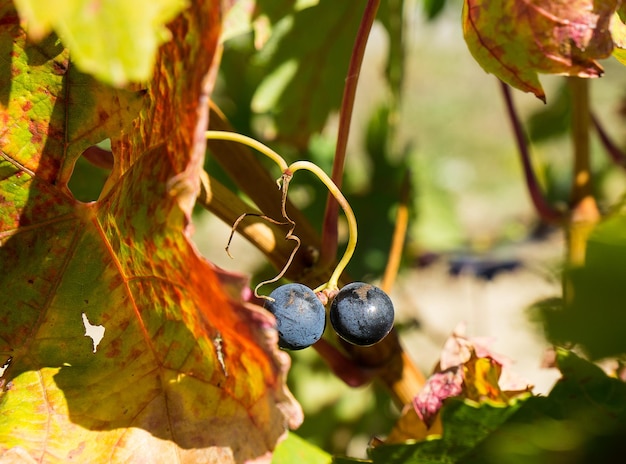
{"x":423,"y":107}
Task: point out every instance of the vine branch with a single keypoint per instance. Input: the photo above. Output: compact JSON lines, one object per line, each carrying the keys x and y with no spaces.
{"x":546,"y":212}
{"x":617,"y":155}
{"x":329,"y":226}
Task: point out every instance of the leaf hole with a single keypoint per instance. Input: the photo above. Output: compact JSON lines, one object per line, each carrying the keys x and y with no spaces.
{"x":5,"y":365}
{"x":95,"y":332}
{"x":91,"y":172}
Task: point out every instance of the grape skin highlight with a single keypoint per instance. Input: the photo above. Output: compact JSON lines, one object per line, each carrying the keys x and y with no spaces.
{"x":362,"y":314}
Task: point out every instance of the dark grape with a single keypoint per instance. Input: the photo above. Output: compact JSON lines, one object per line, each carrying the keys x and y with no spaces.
{"x":300,"y":316}
{"x":362,"y":314}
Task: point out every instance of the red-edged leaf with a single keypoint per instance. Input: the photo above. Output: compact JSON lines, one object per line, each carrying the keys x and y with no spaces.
{"x":516,"y":39}
{"x":184,"y":370}
{"x":439,"y":386}
{"x":467,"y":369}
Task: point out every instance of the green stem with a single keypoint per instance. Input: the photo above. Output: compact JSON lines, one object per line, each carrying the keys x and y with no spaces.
{"x":332,"y":283}
{"x":288,"y":172}
{"x":250,"y":142}
{"x":582,"y":186}
{"x":584,"y":210}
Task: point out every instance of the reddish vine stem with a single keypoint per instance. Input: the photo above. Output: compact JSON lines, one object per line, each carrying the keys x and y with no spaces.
{"x":544,"y":209}
{"x":616,"y":154}
{"x":329,"y":228}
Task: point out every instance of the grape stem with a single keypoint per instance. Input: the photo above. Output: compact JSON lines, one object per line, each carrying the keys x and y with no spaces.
{"x":332,"y":283}
{"x":287,"y":172}
{"x":250,"y":142}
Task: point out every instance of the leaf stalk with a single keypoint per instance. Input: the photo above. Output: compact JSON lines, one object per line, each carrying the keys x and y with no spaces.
{"x":546,"y":212}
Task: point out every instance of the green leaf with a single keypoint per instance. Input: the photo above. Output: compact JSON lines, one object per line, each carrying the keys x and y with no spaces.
{"x":116,"y":40}
{"x":278,"y":9}
{"x":620,"y":55}
{"x":515,"y":40}
{"x":433,"y":8}
{"x":594,"y":318}
{"x":41,"y":135}
{"x":465,"y":425}
{"x":618,"y":32}
{"x":583,"y":419}
{"x":295,"y":449}
{"x":308,"y":57}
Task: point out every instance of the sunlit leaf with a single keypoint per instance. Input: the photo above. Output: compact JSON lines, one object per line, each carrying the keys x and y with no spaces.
{"x":618,"y":32}
{"x":237,"y":19}
{"x":517,"y":39}
{"x":297,"y":450}
{"x":481,"y":379}
{"x":125,"y":344}
{"x":411,"y":427}
{"x":116,"y":40}
{"x":468,"y":369}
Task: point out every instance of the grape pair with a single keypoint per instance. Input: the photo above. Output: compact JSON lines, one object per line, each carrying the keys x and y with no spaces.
{"x":361,"y":314}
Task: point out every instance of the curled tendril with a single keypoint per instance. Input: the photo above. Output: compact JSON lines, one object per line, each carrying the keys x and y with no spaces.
{"x":284,"y":186}
{"x":283,"y":182}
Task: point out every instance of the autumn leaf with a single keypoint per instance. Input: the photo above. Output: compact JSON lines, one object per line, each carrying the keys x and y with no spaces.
{"x":517,"y":39}
{"x":468,"y":369}
{"x":439,"y":386}
{"x":121,"y":342}
{"x":581,"y":419}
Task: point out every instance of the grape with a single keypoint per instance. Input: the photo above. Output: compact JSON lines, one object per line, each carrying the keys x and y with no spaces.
{"x":300,"y":316}
{"x":362,"y":314}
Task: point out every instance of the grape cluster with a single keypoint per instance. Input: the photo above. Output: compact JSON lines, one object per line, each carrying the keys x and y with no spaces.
{"x":360,"y":313}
